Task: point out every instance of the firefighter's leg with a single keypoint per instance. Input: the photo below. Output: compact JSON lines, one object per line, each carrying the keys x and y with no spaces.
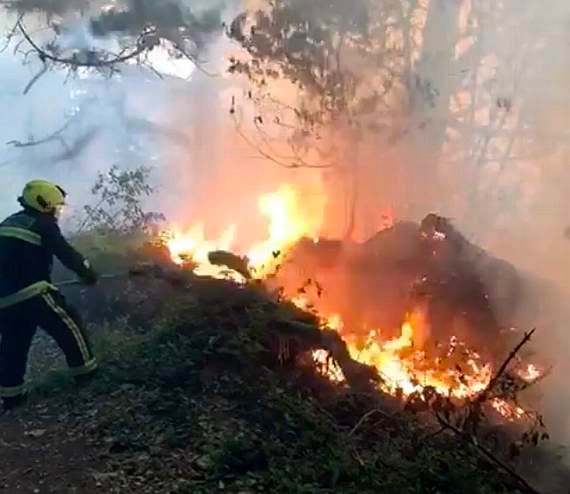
{"x":64,"y":325}
{"x":18,"y":329}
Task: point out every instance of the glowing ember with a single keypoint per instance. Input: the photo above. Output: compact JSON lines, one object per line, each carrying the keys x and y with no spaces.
{"x":327,"y":366}
{"x":507,"y":410}
{"x":530,"y":374}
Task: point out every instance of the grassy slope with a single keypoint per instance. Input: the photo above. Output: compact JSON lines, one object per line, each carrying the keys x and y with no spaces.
{"x":199,"y":403}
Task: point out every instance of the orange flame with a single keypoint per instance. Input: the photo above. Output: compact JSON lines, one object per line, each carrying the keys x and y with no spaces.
{"x":401,"y":362}
{"x":288,"y":222}
{"x":406,"y":370}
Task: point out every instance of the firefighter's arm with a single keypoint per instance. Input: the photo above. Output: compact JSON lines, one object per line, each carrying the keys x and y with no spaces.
{"x":69,"y":257}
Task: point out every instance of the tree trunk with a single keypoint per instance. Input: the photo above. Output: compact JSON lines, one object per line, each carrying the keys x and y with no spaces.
{"x":433,"y":85}
{"x":352,"y":159}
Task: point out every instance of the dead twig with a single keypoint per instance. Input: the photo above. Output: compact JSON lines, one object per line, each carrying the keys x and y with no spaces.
{"x":35,"y":79}
{"x":54,"y":136}
{"x":283,"y":163}
{"x":11,"y":34}
{"x":365,"y":417}
{"x":431,"y":435}
{"x":492,"y":383}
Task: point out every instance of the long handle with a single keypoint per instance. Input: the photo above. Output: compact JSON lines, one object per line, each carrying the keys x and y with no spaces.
{"x":63,"y":284}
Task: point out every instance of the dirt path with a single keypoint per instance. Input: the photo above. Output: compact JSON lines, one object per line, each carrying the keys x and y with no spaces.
{"x":39,"y":454}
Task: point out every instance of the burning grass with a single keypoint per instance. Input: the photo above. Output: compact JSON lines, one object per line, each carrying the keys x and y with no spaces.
{"x":448,"y":338}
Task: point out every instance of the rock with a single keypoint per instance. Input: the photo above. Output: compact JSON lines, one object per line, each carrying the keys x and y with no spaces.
{"x":36,"y":433}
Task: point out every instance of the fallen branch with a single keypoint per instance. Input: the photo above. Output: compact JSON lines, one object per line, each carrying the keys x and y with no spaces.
{"x":487,"y":454}
{"x":231,"y":261}
{"x":311,"y":337}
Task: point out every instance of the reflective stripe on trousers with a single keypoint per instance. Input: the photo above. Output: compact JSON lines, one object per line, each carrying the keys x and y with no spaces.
{"x":39,"y":288}
{"x":73,"y":327}
{"x":12,"y":391}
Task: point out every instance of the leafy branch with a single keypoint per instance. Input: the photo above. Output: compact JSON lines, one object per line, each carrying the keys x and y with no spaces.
{"x":119,"y":202}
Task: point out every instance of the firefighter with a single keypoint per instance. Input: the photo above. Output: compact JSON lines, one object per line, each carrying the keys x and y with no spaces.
{"x":29,"y":240}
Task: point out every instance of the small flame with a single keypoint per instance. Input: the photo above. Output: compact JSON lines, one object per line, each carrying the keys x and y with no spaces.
{"x":507,"y":410}
{"x":192,"y":247}
{"x":327,"y":366}
{"x":531,"y":373}
{"x":335,"y":323}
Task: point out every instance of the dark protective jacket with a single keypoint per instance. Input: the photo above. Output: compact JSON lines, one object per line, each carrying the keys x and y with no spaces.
{"x":29,"y":240}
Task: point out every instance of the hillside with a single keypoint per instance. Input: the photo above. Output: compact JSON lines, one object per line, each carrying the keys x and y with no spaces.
{"x":204,"y":397}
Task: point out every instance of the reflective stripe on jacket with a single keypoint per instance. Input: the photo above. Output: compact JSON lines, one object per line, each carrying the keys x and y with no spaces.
{"x":29,"y":241}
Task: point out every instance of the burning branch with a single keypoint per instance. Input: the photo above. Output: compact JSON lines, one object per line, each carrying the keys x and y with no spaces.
{"x":231,"y":261}
{"x":311,"y":337}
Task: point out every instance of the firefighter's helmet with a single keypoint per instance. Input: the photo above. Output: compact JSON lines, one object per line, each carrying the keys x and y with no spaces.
{"x":43,"y":196}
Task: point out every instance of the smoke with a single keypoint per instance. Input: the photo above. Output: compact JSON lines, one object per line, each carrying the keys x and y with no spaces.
{"x":68,"y":127}
{"x":482,"y":140}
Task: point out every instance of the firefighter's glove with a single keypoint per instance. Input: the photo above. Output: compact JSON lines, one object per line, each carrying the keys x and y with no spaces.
{"x":90,"y":280}
{"x":89,"y":276}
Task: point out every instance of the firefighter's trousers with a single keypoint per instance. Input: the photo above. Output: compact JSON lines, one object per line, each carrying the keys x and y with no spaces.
{"x":18,"y":325}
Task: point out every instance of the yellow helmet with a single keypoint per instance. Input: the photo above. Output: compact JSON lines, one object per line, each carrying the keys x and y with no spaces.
{"x":43,"y":196}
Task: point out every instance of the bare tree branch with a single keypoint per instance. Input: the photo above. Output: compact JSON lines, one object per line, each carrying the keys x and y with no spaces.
{"x":54,"y":136}
{"x":35,"y":79}
{"x":197,"y":63}
{"x":366,"y":416}
{"x":78,"y":146}
{"x":294,"y":163}
{"x":11,"y":34}
{"x":145,"y":42}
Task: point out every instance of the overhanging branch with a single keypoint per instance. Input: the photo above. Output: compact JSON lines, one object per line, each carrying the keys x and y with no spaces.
{"x":146,"y":41}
